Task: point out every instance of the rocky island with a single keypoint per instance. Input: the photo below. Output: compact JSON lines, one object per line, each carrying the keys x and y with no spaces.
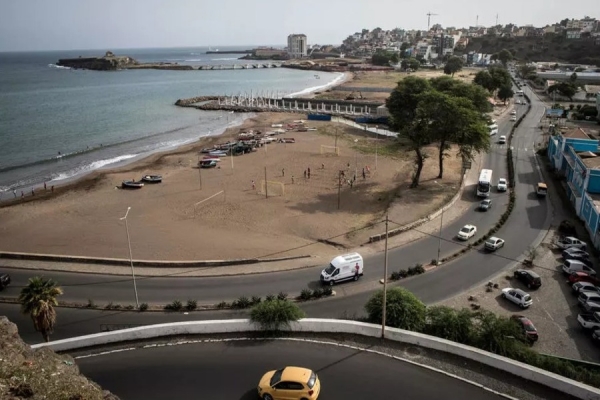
{"x":110,"y":62}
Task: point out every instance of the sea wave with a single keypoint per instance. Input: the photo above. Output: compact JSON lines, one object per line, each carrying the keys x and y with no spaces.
{"x":223,"y":59}
{"x":317,"y":88}
{"x":58,"y":66}
{"x":91,"y":167}
{"x":193,"y":60}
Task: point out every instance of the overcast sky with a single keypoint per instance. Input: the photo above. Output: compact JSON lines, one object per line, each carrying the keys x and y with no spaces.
{"x":112,"y":24}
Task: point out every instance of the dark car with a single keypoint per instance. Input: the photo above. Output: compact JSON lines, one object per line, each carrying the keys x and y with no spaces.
{"x":529,"y":278}
{"x":4,"y":280}
{"x":528,"y":328}
{"x":485,"y":205}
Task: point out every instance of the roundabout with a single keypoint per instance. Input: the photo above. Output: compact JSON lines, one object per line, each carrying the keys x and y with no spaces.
{"x":231,"y":369}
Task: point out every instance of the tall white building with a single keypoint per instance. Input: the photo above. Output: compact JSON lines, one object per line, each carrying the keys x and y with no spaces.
{"x":297,"y":47}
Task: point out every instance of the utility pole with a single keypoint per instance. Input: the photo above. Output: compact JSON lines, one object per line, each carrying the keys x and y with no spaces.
{"x":385,"y":276}
{"x":339,"y":187}
{"x":266,"y":185}
{"x":336,"y":136}
{"x":496,"y":19}
{"x":200,"y":177}
{"x":477,"y":22}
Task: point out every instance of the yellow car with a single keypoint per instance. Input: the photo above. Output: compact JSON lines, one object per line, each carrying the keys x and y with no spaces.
{"x":289,"y":383}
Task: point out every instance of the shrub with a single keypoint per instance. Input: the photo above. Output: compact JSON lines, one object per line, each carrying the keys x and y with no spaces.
{"x":191,"y":305}
{"x":143,"y":306}
{"x":403,"y":309}
{"x":109,"y":306}
{"x":434,"y":261}
{"x":395,"y":276}
{"x":129,"y":307}
{"x":403,"y":273}
{"x":241,"y":303}
{"x":448,"y":323}
{"x":176,"y":305}
{"x":318,"y":293}
{"x":411,"y":271}
{"x":223,"y":305}
{"x":282,"y":296}
{"x":567,"y":228}
{"x":116,"y":306}
{"x":270,"y":297}
{"x":328,"y":291}
{"x":306,"y":294}
{"x":255,"y":300}
{"x":91,"y":304}
{"x":273,"y":315}
{"x":419,"y":269}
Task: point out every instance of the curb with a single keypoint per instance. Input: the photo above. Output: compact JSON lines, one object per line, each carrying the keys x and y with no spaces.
{"x":141,"y":263}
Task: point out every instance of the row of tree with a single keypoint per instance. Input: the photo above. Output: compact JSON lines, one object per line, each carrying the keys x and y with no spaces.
{"x":443,"y":111}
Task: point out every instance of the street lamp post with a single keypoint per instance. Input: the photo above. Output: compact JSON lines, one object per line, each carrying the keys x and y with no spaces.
{"x":440,"y":234}
{"x":376,"y":145}
{"x":385,"y":275}
{"x":137,"y":303}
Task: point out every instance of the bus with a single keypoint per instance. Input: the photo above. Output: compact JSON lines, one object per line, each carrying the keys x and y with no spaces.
{"x":493,"y":129}
{"x":484,"y":185}
{"x":520,"y":93}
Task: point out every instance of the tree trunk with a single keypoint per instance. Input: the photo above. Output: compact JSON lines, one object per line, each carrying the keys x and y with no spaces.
{"x":420,"y":161}
{"x":45,"y":335}
{"x":441,"y":159}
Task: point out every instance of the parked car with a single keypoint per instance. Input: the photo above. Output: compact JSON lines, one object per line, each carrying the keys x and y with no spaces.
{"x":513,"y":112}
{"x":583,"y":277}
{"x":588,"y":297}
{"x":586,"y":261}
{"x":574,"y":253}
{"x":571,"y":242}
{"x":596,"y":336}
{"x":590,"y":307}
{"x":4,"y":280}
{"x":579,"y":287}
{"x":485,"y":205}
{"x":576,"y":266}
{"x":528,"y":328}
{"x":502,"y":185}
{"x":589,"y":321}
{"x":467,"y":232}
{"x":517,"y":296}
{"x":513,"y":118}
{"x":529,"y":278}
{"x":502,"y":139}
{"x":494,"y":243}
{"x":289,"y":383}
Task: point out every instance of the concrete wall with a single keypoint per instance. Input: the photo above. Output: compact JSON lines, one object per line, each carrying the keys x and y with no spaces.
{"x":534,"y":374}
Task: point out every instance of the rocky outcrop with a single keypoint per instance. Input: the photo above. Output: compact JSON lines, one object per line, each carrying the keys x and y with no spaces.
{"x":110,"y":62}
{"x":40,"y":374}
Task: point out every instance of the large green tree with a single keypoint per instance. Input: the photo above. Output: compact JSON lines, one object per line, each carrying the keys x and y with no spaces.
{"x":411,"y":63}
{"x":453,"y":65}
{"x":402,"y":106}
{"x":505,"y":93}
{"x":505,"y":56}
{"x":493,"y":78}
{"x":403,"y":309}
{"x":566,"y":89}
{"x":38,"y":300}
{"x":454,"y":87}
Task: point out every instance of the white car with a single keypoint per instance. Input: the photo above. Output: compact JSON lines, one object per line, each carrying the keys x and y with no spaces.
{"x":571,"y":242}
{"x":579,"y":287}
{"x":502,"y":139}
{"x":513,"y":112}
{"x":517,"y":296}
{"x":467,"y":232}
{"x":513,"y":118}
{"x":494,"y":243}
{"x":502,"y":185}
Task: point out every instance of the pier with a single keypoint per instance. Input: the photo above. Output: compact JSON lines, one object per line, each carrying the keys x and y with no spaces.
{"x":274,"y":103}
{"x":225,"y":67}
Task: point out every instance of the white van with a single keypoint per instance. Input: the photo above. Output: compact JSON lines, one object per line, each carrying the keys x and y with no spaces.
{"x":570,"y":266}
{"x":343,"y":268}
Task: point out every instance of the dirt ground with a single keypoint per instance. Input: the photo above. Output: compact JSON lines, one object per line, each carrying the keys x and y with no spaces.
{"x":386,"y":80}
{"x":218,"y":214}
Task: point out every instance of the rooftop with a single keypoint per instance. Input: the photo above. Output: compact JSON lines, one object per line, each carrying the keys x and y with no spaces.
{"x":590,"y":159}
{"x":575,"y":133}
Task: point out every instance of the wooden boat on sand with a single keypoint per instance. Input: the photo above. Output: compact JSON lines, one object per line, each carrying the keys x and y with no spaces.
{"x":132,"y":185}
{"x":152,"y":178}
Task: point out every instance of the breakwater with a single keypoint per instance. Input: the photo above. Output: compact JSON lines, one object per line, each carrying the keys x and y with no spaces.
{"x":230,"y":52}
{"x":247,"y":104}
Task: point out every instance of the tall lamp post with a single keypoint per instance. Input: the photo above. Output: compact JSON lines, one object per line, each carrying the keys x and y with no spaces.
{"x":385,"y":276}
{"x":137,"y":303}
{"x":376,"y":144}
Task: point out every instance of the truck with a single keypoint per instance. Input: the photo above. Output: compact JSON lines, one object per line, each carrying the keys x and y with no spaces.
{"x":542,"y":189}
{"x":589,"y":321}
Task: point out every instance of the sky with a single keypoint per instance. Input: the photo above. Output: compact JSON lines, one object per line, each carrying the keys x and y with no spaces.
{"x":30,"y":25}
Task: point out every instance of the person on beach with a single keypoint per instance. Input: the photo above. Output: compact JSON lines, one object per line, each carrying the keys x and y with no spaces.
{"x":282,"y":171}
{"x":304,"y":174}
{"x":364,"y":175}
{"x":52,"y":188}
{"x":292,"y":179}
{"x":22,"y":194}
{"x":253,"y":186}
{"x":308,"y":170}
{"x":32,"y":192}
{"x":15,"y":193}
{"x":322,"y":166}
{"x":44,"y":186}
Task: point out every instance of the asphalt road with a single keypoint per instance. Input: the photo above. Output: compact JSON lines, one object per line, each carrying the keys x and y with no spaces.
{"x":103,"y":289}
{"x":232,"y":371}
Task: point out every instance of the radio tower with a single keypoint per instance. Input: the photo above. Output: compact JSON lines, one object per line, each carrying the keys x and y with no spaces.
{"x":429,"y":14}
{"x":477,"y":22}
{"x":496,"y":19}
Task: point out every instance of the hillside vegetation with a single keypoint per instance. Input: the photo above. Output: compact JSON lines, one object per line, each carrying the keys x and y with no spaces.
{"x":40,"y":374}
{"x":547,"y":48}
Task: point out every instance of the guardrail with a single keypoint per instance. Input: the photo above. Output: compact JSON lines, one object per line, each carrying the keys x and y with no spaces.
{"x":314,"y":325}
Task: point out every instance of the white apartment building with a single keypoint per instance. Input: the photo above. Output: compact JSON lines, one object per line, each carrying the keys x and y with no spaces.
{"x":424,"y":50}
{"x":297,"y":47}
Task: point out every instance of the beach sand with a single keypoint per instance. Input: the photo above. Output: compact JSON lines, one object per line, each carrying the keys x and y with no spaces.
{"x":84,"y":218}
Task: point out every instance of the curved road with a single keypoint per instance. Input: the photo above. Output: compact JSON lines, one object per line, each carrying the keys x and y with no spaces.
{"x":528,"y":220}
{"x":232,"y":370}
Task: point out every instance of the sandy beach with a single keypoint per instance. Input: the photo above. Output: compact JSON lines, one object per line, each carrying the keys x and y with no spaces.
{"x":83,"y":218}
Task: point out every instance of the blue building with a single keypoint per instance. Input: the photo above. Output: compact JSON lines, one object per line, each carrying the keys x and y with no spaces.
{"x":575,"y":156}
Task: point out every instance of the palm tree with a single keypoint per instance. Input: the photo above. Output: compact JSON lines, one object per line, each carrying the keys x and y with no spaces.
{"x":38,"y":299}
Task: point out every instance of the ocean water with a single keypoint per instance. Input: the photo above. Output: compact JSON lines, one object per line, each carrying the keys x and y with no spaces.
{"x":57,"y":124}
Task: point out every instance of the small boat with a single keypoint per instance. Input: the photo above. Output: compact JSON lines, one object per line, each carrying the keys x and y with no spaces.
{"x":152,"y":178}
{"x":217,"y":154}
{"x":132,"y":185}
{"x":214,"y":158}
{"x":208,"y":164}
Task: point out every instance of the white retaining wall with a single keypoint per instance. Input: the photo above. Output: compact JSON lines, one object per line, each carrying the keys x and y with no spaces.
{"x":315,"y":325}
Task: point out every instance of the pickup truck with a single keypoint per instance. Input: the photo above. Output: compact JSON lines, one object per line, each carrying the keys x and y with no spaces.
{"x":589,"y":321}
